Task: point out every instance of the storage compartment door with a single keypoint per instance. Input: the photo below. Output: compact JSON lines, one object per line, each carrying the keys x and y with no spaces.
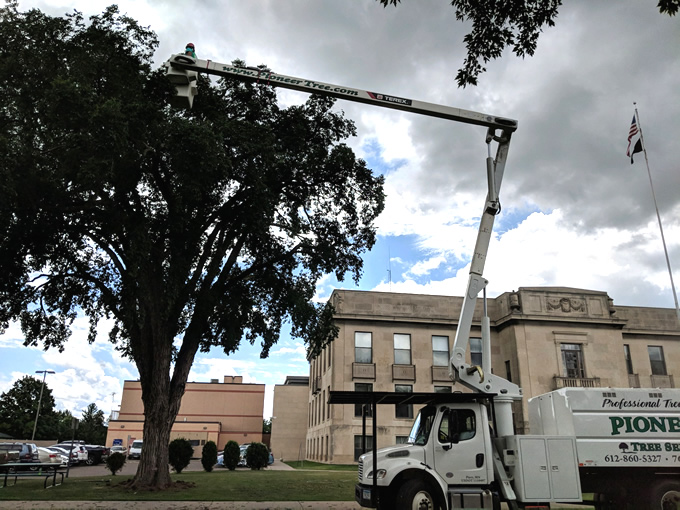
{"x":566,"y":484}
{"x":534,"y":478}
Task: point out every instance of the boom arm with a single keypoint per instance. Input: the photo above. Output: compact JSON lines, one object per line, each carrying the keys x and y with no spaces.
{"x":182,"y":71}
{"x":179,"y":64}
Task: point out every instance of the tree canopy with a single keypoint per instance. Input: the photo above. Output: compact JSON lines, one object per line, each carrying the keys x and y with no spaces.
{"x":92,"y":427}
{"x":192,"y":229}
{"x":507,"y":23}
{"x":18,"y":407}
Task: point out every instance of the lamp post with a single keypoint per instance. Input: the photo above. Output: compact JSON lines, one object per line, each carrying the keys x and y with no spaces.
{"x":37,"y":413}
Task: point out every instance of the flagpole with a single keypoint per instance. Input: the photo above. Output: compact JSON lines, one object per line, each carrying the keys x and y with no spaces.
{"x":658,"y":216}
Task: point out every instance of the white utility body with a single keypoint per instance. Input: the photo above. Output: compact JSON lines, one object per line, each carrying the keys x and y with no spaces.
{"x":619,"y":444}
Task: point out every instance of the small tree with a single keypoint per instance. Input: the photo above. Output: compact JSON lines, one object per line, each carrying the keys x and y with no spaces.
{"x":209,"y":456}
{"x":232,"y":454}
{"x":115,"y":462}
{"x":257,"y":455}
{"x":180,"y":452}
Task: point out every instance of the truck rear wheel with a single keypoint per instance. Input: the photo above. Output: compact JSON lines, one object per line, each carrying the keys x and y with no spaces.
{"x":417,"y":495}
{"x":665,"y":495}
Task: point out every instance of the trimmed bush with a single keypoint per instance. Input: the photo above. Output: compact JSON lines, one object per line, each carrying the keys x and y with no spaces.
{"x":209,"y":456}
{"x":232,"y":454}
{"x":115,"y":462}
{"x":257,"y":455}
{"x":180,"y":452}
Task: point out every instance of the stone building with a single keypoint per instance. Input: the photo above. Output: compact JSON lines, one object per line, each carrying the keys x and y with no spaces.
{"x":289,"y":423}
{"x":211,"y":411}
{"x":541,"y":338}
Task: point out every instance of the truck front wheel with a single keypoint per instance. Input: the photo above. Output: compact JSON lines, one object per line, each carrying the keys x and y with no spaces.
{"x":665,"y":495}
{"x":417,"y":495}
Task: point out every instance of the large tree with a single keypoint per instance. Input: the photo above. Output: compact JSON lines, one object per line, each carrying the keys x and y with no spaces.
{"x":190,"y":229}
{"x":497,"y":24}
{"x":18,"y":407}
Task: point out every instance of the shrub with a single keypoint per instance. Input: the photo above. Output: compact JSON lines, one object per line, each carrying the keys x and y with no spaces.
{"x":115,"y":462}
{"x":232,"y":454}
{"x":257,"y":455}
{"x":180,"y":452}
{"x":209,"y":456}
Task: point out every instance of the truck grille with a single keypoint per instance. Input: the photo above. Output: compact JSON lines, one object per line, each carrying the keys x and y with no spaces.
{"x":361,"y":470}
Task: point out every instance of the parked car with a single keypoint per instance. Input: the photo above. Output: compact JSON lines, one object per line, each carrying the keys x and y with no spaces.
{"x":242,"y":460}
{"x":71,"y":457}
{"x":118,"y":448}
{"x":136,"y":449}
{"x":9,"y":453}
{"x":80,"y":450}
{"x":96,"y":454}
{"x":28,"y":452}
{"x":48,"y":456}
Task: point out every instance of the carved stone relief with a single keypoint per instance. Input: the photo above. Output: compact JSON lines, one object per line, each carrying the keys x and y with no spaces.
{"x":566,"y":305}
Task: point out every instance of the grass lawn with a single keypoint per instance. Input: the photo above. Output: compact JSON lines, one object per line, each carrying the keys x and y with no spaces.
{"x":222,"y":485}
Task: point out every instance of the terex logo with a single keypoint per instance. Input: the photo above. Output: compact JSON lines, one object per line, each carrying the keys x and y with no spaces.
{"x":389,"y":99}
{"x":642,"y":424}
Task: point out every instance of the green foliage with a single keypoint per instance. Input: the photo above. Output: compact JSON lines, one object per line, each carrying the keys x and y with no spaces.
{"x":209,"y":456}
{"x":211,"y":226}
{"x":257,"y":455}
{"x":232,"y":454}
{"x":180,"y":452}
{"x":266,"y":426}
{"x":91,"y":428}
{"x":18,"y":407}
{"x":115,"y":462}
{"x":507,"y":23}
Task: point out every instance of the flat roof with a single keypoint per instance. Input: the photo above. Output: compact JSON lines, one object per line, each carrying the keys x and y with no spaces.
{"x":393,"y":397}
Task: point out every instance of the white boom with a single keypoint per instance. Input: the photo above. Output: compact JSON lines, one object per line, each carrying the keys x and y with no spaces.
{"x":182,"y":71}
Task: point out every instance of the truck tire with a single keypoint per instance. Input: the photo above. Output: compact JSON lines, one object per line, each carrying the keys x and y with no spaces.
{"x":417,"y":495}
{"x":664,"y":495}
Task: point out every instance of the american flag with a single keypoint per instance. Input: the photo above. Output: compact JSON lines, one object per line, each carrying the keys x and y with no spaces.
{"x":634,"y":140}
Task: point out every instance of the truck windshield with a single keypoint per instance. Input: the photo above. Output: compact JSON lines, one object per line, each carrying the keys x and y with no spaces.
{"x":420,"y":431}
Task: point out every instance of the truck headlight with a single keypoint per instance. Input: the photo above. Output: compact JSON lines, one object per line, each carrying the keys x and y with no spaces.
{"x":381,"y":474}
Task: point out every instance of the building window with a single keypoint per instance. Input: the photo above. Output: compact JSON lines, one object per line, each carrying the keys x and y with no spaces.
{"x":404,"y":410}
{"x":629,"y":361}
{"x":402,"y":349}
{"x":440,"y":351}
{"x":357,"y":407}
{"x":442,"y":389}
{"x":476,"y":351}
{"x":358,"y":450}
{"x":508,"y":372}
{"x":401,"y":440}
{"x":656,"y":359}
{"x":572,"y":361}
{"x":363,"y":351}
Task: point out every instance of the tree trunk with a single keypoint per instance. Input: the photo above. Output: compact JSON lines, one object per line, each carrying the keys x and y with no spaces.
{"x":154,"y":470}
{"x":162,"y":398}
{"x":153,"y":362}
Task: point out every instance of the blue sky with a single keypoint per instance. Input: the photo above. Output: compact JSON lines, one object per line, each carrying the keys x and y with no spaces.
{"x":575,"y":212}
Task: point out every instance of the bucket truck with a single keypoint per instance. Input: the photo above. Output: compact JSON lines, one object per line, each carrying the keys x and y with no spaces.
{"x":621,"y":445}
